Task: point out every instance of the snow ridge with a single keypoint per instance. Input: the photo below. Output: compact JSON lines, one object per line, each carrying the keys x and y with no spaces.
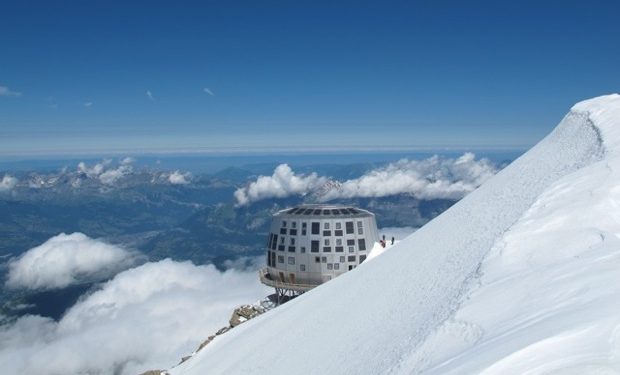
{"x":371,"y":320}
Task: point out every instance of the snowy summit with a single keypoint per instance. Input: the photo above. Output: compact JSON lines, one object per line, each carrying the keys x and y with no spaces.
{"x":521,"y":276}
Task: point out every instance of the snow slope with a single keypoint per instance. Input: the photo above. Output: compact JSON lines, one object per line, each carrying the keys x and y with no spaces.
{"x":498,"y":283}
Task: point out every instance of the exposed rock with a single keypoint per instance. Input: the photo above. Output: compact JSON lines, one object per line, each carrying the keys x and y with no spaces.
{"x":155,"y":372}
{"x":244,"y":313}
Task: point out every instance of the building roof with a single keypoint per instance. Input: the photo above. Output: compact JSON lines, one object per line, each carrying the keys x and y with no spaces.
{"x":325,"y":211}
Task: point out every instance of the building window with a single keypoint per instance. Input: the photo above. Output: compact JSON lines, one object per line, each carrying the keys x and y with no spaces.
{"x":317,"y":259}
{"x":282,"y":240}
{"x":336,"y":266}
{"x":292,"y":232}
{"x":304,"y":227}
{"x":316,"y":228}
{"x":302,"y":267}
{"x":283,"y":223}
{"x":291,"y":261}
{"x":326,"y":242}
{"x":362,"y":258}
{"x":338,"y":225}
{"x":280,"y":258}
{"x":360,"y":229}
{"x":326,"y":225}
{"x":350,"y":242}
{"x":314,"y":246}
{"x":294,"y":224}
{"x":327,"y":249}
{"x":339,"y":241}
{"x":302,"y":249}
{"x":339,"y":249}
{"x":324,"y":260}
{"x":291,"y":249}
{"x":327,"y":233}
{"x":361,"y":243}
{"x":281,"y":247}
{"x":275,"y":242}
{"x":349,"y":227}
{"x":351,"y":258}
{"x":342,"y":259}
{"x":330,"y":266}
{"x":338,"y":232}
{"x":292,"y":241}
{"x":282,"y":230}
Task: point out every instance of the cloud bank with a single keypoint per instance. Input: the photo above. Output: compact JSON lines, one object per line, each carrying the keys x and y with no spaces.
{"x":431,"y":178}
{"x":103,"y":171}
{"x":7,"y":183}
{"x":178,"y":178}
{"x":283,"y":183}
{"x":145,"y":318}
{"x":67,"y":259}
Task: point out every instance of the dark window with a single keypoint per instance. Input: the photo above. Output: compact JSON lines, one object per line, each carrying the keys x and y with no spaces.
{"x":270,"y":240}
{"x":325,"y":225}
{"x":330,"y":266}
{"x":284,"y":223}
{"x":323,"y":259}
{"x":269,"y":258}
{"x":281,"y":247}
{"x":291,"y":249}
{"x":304,"y":227}
{"x":351,"y":258}
{"x":317,"y":259}
{"x":302,"y":267}
{"x":292,"y":240}
{"x":336,"y":266}
{"x":335,"y":212}
{"x":274,"y":242}
{"x":292,"y":232}
{"x":327,"y":233}
{"x":314,"y":246}
{"x":349,"y":227}
{"x":361,"y":243}
{"x":342,"y":259}
{"x":282,"y":230}
{"x":294,"y":224}
{"x":350,"y":242}
{"x":303,"y":232}
{"x":291,"y":260}
{"x":338,"y":225}
{"x":339,"y":249}
{"x":317,"y":212}
{"x":307,"y":212}
{"x":327,"y":249}
{"x":338,"y":232}
{"x":280,"y":258}
{"x":362,"y":258}
{"x":302,"y":249}
{"x":326,"y":212}
{"x":316,"y":228}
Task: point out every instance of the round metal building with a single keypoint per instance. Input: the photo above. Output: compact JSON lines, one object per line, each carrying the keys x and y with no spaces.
{"x":311,"y":244}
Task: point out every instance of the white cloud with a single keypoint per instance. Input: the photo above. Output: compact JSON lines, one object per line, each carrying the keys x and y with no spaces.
{"x":431,"y":178}
{"x":5,"y":91}
{"x":88,"y":104}
{"x":178,"y":178}
{"x":67,"y":259}
{"x":145,"y":318}
{"x":208,"y":91}
{"x":150,"y":95}
{"x":283,"y":183}
{"x":104,"y":173}
{"x":128,"y":160}
{"x":8,"y":183}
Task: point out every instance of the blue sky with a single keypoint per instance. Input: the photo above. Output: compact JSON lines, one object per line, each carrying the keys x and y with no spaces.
{"x":297,"y":75}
